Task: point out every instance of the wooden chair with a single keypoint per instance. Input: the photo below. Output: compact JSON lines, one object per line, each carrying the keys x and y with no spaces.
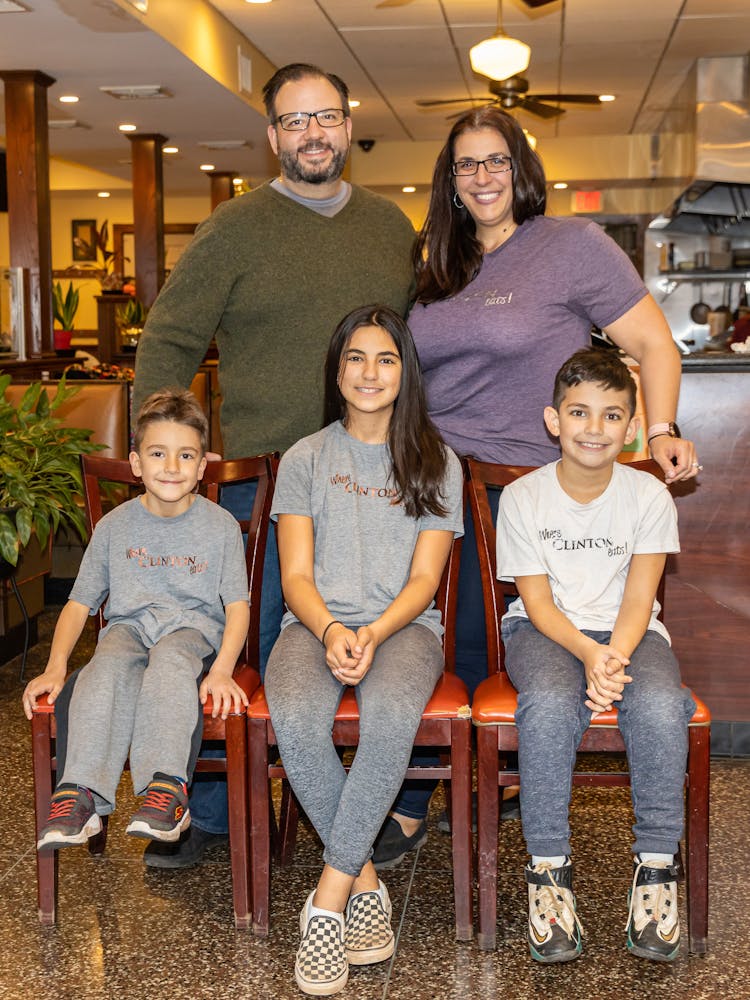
{"x":493,"y":714}
{"x":445,"y":725}
{"x":232,"y":732}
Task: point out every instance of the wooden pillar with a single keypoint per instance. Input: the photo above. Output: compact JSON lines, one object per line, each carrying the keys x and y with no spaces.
{"x":222,"y":188}
{"x":148,"y":215}
{"x":27,"y":150}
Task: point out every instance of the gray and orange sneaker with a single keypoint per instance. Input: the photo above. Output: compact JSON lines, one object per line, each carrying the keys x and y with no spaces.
{"x":164,"y":813}
{"x":653,"y":925}
{"x":72,"y":818}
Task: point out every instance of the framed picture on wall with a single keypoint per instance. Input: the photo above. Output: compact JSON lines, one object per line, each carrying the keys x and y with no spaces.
{"x":83,"y":238}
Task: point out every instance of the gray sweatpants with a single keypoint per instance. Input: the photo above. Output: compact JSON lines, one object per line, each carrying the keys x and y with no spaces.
{"x":132,"y":700}
{"x":551,"y":718}
{"x":348,"y":810}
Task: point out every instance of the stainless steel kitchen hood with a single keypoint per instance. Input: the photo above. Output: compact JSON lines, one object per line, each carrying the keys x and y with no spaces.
{"x":717,"y":201}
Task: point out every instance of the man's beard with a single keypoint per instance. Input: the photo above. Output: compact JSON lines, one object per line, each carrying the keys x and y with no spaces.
{"x":311,"y":173}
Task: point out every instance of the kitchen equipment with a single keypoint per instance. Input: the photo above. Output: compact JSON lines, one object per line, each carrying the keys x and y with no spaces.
{"x":719,"y":319}
{"x":724,"y":307}
{"x":700,"y":309}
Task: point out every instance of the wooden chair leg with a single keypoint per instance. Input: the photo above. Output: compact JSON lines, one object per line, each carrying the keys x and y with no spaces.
{"x":699,"y":748}
{"x":237,"y":798}
{"x":288,"y":822}
{"x":260,"y":827}
{"x":461,"y":827}
{"x":46,"y":861}
{"x":488,"y":809}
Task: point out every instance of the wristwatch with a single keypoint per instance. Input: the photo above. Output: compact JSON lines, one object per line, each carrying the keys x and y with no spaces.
{"x":668,"y":428}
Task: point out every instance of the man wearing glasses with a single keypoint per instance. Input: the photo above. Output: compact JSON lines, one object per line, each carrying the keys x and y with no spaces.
{"x":270,"y":274}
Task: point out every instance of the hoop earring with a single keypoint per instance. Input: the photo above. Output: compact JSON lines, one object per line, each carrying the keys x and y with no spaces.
{"x":457,"y":201}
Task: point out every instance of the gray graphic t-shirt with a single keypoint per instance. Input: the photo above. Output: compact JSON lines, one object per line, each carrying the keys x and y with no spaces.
{"x":161,"y":574}
{"x":363,"y":542}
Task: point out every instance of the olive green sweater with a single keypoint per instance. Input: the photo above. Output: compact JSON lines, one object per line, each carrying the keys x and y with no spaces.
{"x":271,"y":279}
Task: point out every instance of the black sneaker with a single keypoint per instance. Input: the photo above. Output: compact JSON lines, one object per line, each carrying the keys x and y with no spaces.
{"x":393,"y":845}
{"x":554,"y":931}
{"x":653,"y":921}
{"x":164,"y":813}
{"x":72,"y":818}
{"x":186,"y":852}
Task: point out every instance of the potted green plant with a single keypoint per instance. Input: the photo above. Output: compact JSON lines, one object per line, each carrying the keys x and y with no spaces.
{"x":131,"y":318}
{"x":64,"y":309}
{"x":111,"y":280}
{"x":40,"y":475}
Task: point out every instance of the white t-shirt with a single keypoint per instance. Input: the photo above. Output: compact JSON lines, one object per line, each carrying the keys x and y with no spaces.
{"x":584,"y":549}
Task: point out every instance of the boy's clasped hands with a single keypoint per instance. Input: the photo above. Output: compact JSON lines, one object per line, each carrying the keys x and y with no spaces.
{"x":605,"y":677}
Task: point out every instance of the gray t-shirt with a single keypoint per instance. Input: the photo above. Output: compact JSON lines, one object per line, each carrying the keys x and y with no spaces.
{"x":363,"y":542}
{"x":161,"y":574}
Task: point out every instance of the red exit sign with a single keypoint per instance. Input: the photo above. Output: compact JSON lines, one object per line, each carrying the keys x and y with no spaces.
{"x":587,"y":201}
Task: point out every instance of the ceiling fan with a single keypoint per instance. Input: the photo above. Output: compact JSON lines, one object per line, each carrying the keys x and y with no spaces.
{"x":513,"y":93}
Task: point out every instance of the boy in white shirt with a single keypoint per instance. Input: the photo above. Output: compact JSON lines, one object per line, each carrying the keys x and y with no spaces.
{"x":586,"y":541}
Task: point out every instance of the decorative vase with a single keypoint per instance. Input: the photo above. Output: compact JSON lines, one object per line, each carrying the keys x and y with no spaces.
{"x":61,"y":341}
{"x":130,"y":337}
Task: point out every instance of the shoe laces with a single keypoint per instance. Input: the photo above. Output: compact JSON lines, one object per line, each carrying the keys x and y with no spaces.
{"x":551,"y":903}
{"x":158,"y":800}
{"x":62,"y":807}
{"x":658,"y":899}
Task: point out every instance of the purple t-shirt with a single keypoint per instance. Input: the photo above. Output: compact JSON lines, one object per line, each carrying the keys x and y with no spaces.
{"x":490,"y":353}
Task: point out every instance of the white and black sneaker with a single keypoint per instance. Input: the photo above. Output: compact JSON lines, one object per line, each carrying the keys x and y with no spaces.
{"x":321,"y":968}
{"x":368,"y":936}
{"x":554,"y":931}
{"x":653,"y":925}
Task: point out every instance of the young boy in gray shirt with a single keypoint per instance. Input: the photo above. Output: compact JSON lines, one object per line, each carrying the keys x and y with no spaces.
{"x":172,"y":569}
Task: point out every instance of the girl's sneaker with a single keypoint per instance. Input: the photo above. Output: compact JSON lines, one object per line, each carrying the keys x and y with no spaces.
{"x":321,"y":968}
{"x":653,"y":921}
{"x":164,"y":813}
{"x":554,"y":931}
{"x":368,"y":934}
{"x":72,"y":818}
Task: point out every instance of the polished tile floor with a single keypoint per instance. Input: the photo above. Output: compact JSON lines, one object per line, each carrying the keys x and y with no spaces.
{"x":127,"y":932}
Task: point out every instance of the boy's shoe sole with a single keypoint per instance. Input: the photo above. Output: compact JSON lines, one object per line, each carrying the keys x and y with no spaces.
{"x":142,"y":828}
{"x":55,"y":838}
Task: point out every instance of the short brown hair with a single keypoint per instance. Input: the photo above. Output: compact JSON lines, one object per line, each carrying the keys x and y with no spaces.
{"x":293,"y":73}
{"x":594,"y":364}
{"x":178,"y":405}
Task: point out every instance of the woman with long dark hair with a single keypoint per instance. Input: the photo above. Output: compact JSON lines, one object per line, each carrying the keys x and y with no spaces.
{"x":504,"y":295}
{"x":367,"y":510}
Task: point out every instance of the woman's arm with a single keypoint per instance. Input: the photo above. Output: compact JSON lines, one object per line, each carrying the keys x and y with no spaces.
{"x":643,"y":333}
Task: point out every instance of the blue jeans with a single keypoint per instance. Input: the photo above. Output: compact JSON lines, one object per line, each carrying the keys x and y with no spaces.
{"x":471,"y":657}
{"x":208,"y":799}
{"x":552,"y":718}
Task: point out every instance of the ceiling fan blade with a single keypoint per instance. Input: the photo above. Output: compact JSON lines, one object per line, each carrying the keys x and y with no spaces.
{"x":540,"y":110}
{"x":452,"y":100}
{"x":537,"y":3}
{"x":568,"y":98}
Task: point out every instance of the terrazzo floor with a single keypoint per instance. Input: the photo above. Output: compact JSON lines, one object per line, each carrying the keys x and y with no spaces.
{"x":128,"y":932}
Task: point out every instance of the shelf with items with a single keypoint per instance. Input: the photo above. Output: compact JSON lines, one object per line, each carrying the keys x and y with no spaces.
{"x":705,"y":275}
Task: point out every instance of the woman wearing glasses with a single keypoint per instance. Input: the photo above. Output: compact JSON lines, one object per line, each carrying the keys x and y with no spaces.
{"x":504,"y":295}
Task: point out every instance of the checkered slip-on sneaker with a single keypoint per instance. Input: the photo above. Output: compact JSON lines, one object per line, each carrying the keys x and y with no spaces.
{"x":554,"y":930}
{"x":72,"y":818}
{"x":368,"y":935}
{"x":321,"y":968}
{"x":653,"y":925}
{"x":164,"y":813}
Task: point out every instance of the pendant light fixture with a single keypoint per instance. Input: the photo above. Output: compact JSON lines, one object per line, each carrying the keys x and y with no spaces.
{"x":500,"y":57}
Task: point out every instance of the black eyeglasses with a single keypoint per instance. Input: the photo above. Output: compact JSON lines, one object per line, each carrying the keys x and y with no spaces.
{"x":298,"y":121}
{"x":493,"y":165}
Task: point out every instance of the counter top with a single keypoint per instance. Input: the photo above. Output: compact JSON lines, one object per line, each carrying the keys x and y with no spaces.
{"x":716,"y":361}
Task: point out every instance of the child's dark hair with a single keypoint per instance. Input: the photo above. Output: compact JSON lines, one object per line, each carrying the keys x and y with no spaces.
{"x":418,"y":453}
{"x":178,"y":405}
{"x":594,"y":364}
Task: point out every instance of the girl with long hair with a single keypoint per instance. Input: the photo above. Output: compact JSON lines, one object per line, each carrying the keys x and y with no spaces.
{"x":367,"y":511}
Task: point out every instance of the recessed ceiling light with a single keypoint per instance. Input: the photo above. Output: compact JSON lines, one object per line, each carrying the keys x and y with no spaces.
{"x":207,"y":166}
{"x":103,"y":194}
{"x":127,"y":127}
{"x":560,"y":186}
{"x":409,"y":189}
{"x":68,"y":99}
{"x":354,"y":104}
{"x":237,"y":181}
{"x":170,"y":149}
{"x":257,"y":1}
{"x":606,"y":98}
